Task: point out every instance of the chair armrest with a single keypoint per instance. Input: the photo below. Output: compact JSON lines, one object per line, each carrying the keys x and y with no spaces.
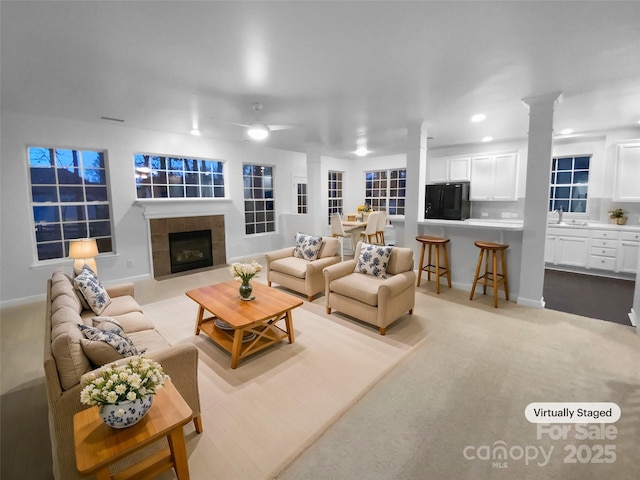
{"x":121,"y":290}
{"x":396,"y":284}
{"x":338,"y":270}
{"x":278,"y":254}
{"x":320,"y":264}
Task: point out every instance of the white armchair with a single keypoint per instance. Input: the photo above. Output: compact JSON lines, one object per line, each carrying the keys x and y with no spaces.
{"x":375,"y":300}
{"x":298,"y":274}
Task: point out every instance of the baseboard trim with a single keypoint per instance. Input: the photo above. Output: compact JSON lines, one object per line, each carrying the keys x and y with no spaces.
{"x":528,"y":302}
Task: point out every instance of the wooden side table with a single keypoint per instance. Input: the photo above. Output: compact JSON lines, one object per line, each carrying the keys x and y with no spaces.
{"x":98,"y":445}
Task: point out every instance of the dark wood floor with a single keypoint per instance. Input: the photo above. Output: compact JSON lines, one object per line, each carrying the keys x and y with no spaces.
{"x":604,"y":298}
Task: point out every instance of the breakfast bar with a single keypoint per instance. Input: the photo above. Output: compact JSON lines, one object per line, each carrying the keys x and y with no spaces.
{"x":463,"y":253}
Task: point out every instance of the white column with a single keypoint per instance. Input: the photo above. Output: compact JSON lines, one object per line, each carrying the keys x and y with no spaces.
{"x":536,"y":201}
{"x":634,"y":315}
{"x":316,"y":212}
{"x":416,"y":179}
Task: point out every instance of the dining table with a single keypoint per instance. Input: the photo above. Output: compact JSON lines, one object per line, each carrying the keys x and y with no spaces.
{"x":355,"y":228}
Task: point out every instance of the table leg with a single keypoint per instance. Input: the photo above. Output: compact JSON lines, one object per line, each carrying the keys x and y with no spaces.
{"x":199,"y":319}
{"x":179,"y":453}
{"x":288,"y":320}
{"x":238,"y":335}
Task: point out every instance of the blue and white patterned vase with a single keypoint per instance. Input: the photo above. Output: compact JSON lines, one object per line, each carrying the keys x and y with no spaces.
{"x":125,"y":414}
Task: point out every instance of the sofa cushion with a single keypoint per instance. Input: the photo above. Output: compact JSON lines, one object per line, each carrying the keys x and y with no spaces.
{"x":108,"y":324}
{"x":134,"y":322}
{"x":92,"y":290}
{"x":358,"y":286}
{"x":373,"y":260}
{"x":149,"y":341}
{"x":66,"y":348}
{"x":119,"y":342}
{"x":307,"y":246}
{"x":292,"y":266}
{"x":401,"y":260}
{"x":117,"y":307}
{"x":329,"y":247}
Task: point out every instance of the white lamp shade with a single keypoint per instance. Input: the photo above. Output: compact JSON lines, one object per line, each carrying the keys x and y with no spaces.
{"x":83,"y":250}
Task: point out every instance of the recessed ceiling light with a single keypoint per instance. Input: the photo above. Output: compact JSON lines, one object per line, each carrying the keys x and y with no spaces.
{"x":566,"y":131}
{"x":478,"y":117}
{"x":487,"y":139}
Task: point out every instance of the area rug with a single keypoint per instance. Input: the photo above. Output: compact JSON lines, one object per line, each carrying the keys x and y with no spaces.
{"x":259,"y":416}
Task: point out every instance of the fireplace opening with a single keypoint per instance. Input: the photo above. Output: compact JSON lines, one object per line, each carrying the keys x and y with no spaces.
{"x":190,"y":250}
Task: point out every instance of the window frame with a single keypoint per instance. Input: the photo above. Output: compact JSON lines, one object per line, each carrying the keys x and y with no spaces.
{"x":385,"y":182}
{"x":255,"y":202}
{"x":89,"y":214}
{"x":335,"y":203}
{"x":556,"y":202}
{"x":166,"y":159}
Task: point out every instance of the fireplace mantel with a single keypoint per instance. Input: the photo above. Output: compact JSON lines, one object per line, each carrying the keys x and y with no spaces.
{"x":181,"y":207}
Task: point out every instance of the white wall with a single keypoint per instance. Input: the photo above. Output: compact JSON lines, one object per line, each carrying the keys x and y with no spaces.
{"x":23,"y":278}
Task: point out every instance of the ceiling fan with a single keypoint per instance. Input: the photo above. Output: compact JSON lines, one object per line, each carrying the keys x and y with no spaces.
{"x":260,"y":131}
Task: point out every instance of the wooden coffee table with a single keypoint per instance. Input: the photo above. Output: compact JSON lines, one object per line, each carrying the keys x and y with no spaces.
{"x":253,"y":321}
{"x":98,"y":445}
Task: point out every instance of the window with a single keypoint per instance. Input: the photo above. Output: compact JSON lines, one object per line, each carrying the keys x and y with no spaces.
{"x":386,"y":190}
{"x":69,"y":198}
{"x":301,"y":196}
{"x":569,"y":184}
{"x":259,"y":206}
{"x":169,"y":177}
{"x":334,"y":193}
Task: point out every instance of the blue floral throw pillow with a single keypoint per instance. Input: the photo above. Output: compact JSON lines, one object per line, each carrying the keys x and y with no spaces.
{"x":92,"y":290}
{"x":307,"y":246}
{"x":118,"y":341}
{"x":373,"y":260}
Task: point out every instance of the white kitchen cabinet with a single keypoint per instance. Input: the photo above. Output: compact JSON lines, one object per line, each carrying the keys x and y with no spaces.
{"x":628,"y":251}
{"x":450,"y":169}
{"x":626,"y":187}
{"x":494,"y":177}
{"x":567,"y":247}
{"x":571,"y":251}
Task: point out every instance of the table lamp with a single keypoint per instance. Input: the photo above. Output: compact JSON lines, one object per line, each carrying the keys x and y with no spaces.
{"x":83,"y":250}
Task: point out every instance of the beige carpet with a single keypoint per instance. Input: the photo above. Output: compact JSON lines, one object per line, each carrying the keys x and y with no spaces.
{"x":468,"y":384}
{"x":259,"y":416}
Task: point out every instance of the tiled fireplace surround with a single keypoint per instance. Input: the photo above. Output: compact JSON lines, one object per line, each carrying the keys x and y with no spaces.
{"x":160,"y":229}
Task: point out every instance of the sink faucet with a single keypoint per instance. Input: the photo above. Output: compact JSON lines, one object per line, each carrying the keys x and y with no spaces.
{"x":559,"y":211}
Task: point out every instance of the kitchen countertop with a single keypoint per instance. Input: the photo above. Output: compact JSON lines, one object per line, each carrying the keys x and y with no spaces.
{"x":514,"y":225}
{"x":595,"y":226}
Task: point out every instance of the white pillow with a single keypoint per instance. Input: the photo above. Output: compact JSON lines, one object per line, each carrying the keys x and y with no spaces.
{"x":373,"y":260}
{"x":307,"y":246}
{"x":92,"y":290}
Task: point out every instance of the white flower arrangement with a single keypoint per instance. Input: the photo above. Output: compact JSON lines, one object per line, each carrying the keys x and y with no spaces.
{"x":137,"y":378}
{"x":245,"y":271}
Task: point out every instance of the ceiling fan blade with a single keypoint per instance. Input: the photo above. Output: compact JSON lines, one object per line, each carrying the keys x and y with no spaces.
{"x":240,"y":124}
{"x":273,"y":128}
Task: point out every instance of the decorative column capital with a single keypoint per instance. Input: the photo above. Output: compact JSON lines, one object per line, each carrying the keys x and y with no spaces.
{"x":554,"y":99}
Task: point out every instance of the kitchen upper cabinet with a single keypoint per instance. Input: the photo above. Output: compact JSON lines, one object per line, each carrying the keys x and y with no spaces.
{"x":454,"y":169}
{"x":494,"y":177}
{"x":626,"y":186}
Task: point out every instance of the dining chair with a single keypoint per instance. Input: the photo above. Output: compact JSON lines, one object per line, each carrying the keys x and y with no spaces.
{"x":369,"y":235}
{"x":382,"y":222}
{"x":337,"y":231}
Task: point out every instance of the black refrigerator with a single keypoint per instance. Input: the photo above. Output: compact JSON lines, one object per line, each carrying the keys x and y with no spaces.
{"x":447,"y":201}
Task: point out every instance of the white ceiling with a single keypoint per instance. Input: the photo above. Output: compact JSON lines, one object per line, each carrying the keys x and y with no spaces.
{"x":343,"y":70}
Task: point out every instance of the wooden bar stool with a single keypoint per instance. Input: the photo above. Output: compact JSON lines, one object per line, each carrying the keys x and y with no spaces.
{"x":491,"y":278}
{"x":434,"y":268}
